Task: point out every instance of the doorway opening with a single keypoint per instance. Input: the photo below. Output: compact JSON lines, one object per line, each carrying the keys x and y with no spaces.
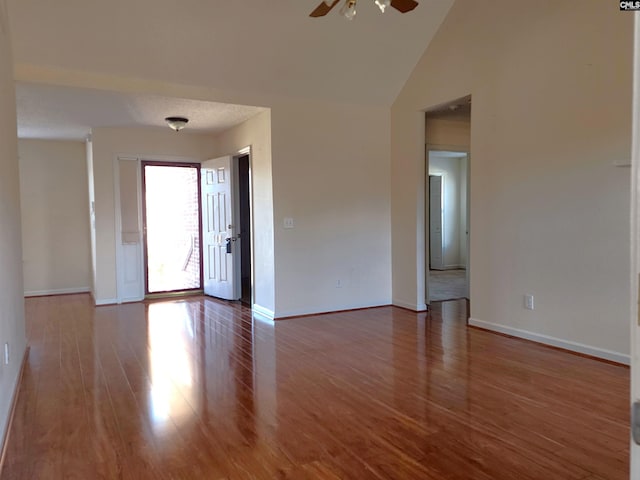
{"x":447,"y":166}
{"x":171,"y":213}
{"x":244,"y":201}
{"x":227,"y":220}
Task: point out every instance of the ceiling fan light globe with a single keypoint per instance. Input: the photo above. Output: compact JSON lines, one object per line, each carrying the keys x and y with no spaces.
{"x":383,"y":4}
{"x":348,"y":10}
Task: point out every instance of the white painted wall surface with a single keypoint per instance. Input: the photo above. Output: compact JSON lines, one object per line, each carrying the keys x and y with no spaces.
{"x":12,"y":329}
{"x":150,"y":144}
{"x":256,"y":132}
{"x":55,"y":217}
{"x":448,"y":132}
{"x":463,"y":191}
{"x":549,"y":211}
{"x":331,"y":175}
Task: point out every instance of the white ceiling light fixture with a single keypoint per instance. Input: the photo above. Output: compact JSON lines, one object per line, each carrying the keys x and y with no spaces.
{"x":383,"y":4}
{"x":348,"y":9}
{"x":177,"y":123}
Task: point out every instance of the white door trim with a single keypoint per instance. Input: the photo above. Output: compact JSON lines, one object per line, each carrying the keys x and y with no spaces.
{"x":241,"y":153}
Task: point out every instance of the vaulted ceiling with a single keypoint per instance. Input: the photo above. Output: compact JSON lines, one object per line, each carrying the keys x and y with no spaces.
{"x":268,"y":47}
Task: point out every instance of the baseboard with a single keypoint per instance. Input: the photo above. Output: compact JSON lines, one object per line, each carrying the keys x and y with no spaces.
{"x":322,"y":311}
{"x":262,"y":313}
{"x":12,"y":409}
{"x":421,"y":307}
{"x":328,"y":312}
{"x":105,"y":301}
{"x":553,"y":341}
{"x":56,"y":291}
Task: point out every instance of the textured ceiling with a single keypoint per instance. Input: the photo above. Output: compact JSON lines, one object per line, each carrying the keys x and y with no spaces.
{"x":268,"y":47}
{"x":50,"y":112}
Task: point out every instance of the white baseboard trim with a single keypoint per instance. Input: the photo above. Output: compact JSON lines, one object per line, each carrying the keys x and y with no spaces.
{"x":262,"y":313}
{"x":6,"y":428}
{"x":327,"y":310}
{"x":553,"y":341}
{"x":410,"y":306}
{"x":105,"y":301}
{"x":56,"y":291}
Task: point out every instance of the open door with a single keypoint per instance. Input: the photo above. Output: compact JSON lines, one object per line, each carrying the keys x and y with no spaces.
{"x":219,"y":231}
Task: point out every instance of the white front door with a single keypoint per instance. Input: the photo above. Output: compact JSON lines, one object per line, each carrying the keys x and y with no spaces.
{"x":219,"y":231}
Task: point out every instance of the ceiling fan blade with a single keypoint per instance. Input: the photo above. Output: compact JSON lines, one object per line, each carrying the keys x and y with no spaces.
{"x":322,"y":9}
{"x":404,"y":6}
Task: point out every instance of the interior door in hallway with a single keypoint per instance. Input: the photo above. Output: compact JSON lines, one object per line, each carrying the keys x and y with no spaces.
{"x":435,"y":222}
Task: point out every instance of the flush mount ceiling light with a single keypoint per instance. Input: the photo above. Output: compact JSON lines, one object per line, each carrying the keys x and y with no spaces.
{"x":348,"y":9}
{"x":177,"y":123}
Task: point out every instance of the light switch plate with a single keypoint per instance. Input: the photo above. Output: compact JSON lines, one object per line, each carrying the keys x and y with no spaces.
{"x":528,"y":302}
{"x":288,"y":222}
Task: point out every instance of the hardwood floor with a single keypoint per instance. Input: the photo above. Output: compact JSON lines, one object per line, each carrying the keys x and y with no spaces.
{"x":193,"y":389}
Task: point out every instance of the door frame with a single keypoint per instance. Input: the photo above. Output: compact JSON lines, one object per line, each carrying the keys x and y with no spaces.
{"x":143,"y":206}
{"x":429,"y":147}
{"x":235,"y":192}
{"x":246,"y":151}
{"x":236,"y":197}
{"x":119,"y":254}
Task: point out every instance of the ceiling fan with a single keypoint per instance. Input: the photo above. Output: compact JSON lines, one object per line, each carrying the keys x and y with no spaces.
{"x":349,"y":7}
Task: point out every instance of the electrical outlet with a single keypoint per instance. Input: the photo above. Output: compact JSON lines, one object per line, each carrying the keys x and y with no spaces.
{"x":338,"y":283}
{"x":528,"y":302}
{"x":6,"y":353}
{"x":288,"y":222}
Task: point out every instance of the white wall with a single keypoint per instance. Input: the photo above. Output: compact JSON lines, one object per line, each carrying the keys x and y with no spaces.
{"x":331,"y":175}
{"x":549,"y":211}
{"x":447,"y":132}
{"x":147,"y":144}
{"x":462,"y":181}
{"x":256,"y":132}
{"x":450,"y":170}
{"x":12,"y":326}
{"x":55,"y":218}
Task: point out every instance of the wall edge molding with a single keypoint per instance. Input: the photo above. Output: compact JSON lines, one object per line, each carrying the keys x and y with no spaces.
{"x":262,"y":312}
{"x":422,"y":307}
{"x":56,"y":291}
{"x":332,"y":309}
{"x":12,"y":409}
{"x":105,"y":301}
{"x":576,"y":347}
